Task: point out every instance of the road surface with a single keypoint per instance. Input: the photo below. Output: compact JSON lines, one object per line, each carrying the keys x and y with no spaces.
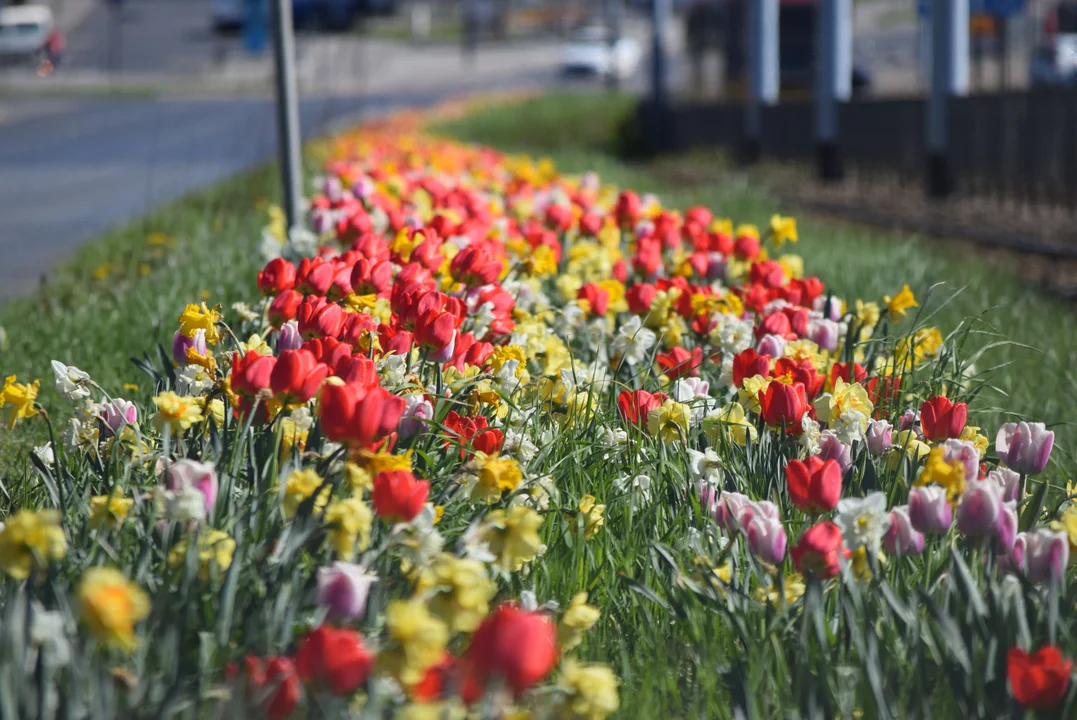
{"x":73,"y":169}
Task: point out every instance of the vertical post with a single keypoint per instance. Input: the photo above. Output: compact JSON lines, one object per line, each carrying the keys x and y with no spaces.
{"x":613,"y":20}
{"x":949,"y":78}
{"x":659,"y":20}
{"x":833,"y":81}
{"x":763,"y":79}
{"x":287,"y":108}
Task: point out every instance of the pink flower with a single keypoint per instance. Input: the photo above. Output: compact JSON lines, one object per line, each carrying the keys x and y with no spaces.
{"x":879,"y":436}
{"x":979,"y":509}
{"x":117,"y":413}
{"x":342,"y":589}
{"x":202,"y":477}
{"x":766,"y":538}
{"x":901,"y":537}
{"x":1046,"y":554}
{"x":1006,"y":479}
{"x":1024,"y":447}
{"x":965,"y":453}
{"x":929,"y":511}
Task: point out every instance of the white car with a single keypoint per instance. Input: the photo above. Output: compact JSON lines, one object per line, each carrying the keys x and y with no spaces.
{"x":24,"y":31}
{"x":590,"y":54}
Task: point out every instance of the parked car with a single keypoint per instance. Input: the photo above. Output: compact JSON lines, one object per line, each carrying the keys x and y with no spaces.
{"x":24,"y":32}
{"x":590,"y":54}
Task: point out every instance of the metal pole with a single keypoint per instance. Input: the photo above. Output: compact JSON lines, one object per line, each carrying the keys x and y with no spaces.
{"x":763,"y":66}
{"x":659,"y":19}
{"x":949,"y":78}
{"x":613,"y":10}
{"x":833,"y":82}
{"x":287,"y":108}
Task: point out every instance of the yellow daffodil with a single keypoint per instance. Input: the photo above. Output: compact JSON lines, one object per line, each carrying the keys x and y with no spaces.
{"x":899,"y":305}
{"x":215,"y":547}
{"x":590,"y":691}
{"x":109,"y":510}
{"x":200,"y":317}
{"x":110,"y":606}
{"x":176,"y":412}
{"x":31,"y":538}
{"x":416,"y":640}
{"x":579,"y":617}
{"x":458,"y":591}
{"x":299,"y":486}
{"x":947,"y":474}
{"x":349,"y":522}
{"x":512,"y":536}
{"x":17,"y":400}
{"x":495,"y":476}
{"x":730,"y":419}
{"x":783,"y":229}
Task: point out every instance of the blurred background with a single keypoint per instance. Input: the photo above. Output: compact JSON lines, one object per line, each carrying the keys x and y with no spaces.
{"x":110,"y":107}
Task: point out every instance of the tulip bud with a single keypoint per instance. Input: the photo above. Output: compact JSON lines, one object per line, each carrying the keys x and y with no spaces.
{"x":1006,"y":525}
{"x":878,"y":436}
{"x":1046,"y":554}
{"x":766,"y":539}
{"x":965,"y":453}
{"x":118,"y":412}
{"x":979,"y":509}
{"x":773,"y":345}
{"x":929,"y":510}
{"x":831,"y":448}
{"x":342,"y":589}
{"x":189,"y":474}
{"x":825,"y":334}
{"x":1007,"y":480}
{"x":901,"y":537}
{"x":416,"y":409}
{"x":181,"y":344}
{"x":290,"y":339}
{"x":1025,"y":447}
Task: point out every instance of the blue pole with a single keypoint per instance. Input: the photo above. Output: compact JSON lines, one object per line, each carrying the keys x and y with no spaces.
{"x":763,"y":66}
{"x":949,"y":78}
{"x":833,"y":81}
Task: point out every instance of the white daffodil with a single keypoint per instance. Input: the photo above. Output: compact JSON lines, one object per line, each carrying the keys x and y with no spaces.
{"x":632,"y":342}
{"x":863,"y":521}
{"x":72,"y":384}
{"x":706,"y":466}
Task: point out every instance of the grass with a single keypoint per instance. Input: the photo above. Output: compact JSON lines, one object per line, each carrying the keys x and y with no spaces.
{"x":674,"y":661}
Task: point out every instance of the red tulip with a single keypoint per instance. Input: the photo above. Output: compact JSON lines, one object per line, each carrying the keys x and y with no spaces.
{"x":629,"y":208}
{"x":635,"y":405}
{"x":598,"y":299}
{"x":252,"y":372}
{"x":357,"y":370}
{"x":327,"y":350}
{"x":590,"y":224}
{"x":942,"y":418}
{"x":357,"y":415}
{"x":273,"y":685}
{"x":814,"y":485}
{"x":319,"y":318}
{"x":768,"y":273}
{"x":315,"y":276}
{"x":434,"y":330}
{"x":488,"y":441}
{"x":849,"y":372}
{"x":369,"y":277}
{"x":297,"y":375}
{"x":817,"y":551}
{"x":746,"y":247}
{"x":284,"y":307}
{"x":783,"y":404}
{"x":1039,"y":680}
{"x":475,"y":266}
{"x":436,"y":680}
{"x":334,"y":658}
{"x":679,"y":362}
{"x":516,"y":645}
{"x":394,"y":341}
{"x":749,"y":364}
{"x":398,"y":496}
{"x":278,"y":276}
{"x":802,"y":372}
{"x":640,"y":297}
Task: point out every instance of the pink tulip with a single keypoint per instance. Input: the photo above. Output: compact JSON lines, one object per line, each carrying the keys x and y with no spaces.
{"x":901,"y":537}
{"x":772,"y":345}
{"x":831,"y":448}
{"x":117,"y":413}
{"x":290,"y":339}
{"x":1006,"y":526}
{"x":181,"y":344}
{"x":965,"y":453}
{"x":879,"y":436}
{"x":929,"y":510}
{"x":1046,"y":554}
{"x":979,"y":509}
{"x":766,"y":539}
{"x":342,"y":589}
{"x":1024,"y":447}
{"x":1006,"y":479}
{"x":200,"y":476}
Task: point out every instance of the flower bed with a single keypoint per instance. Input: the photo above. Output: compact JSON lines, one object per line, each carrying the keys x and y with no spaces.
{"x":484,"y":410}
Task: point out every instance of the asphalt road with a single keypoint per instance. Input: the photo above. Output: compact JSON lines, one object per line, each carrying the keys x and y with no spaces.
{"x":72,"y":169}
